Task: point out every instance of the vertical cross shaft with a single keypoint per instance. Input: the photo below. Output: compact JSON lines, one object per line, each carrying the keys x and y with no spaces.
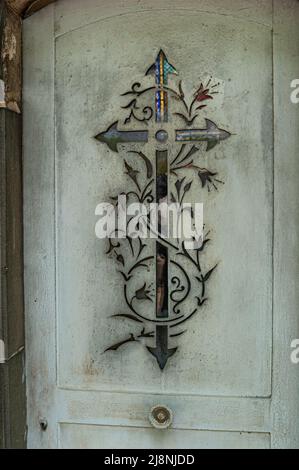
{"x":161,"y":351}
{"x":161,"y":251}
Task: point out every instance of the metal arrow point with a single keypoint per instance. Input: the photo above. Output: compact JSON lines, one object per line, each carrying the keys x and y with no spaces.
{"x":161,"y":351}
{"x":212,"y":135}
{"x":112,"y":137}
{"x":161,"y":69}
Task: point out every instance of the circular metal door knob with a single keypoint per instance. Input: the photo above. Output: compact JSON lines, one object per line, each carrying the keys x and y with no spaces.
{"x":160,"y":417}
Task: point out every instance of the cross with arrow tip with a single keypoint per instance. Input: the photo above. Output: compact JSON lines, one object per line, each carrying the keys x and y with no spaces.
{"x":113,"y":137}
{"x":213,"y":135}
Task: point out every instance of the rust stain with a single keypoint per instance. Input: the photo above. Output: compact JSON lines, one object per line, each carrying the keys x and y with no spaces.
{"x":89,"y":368}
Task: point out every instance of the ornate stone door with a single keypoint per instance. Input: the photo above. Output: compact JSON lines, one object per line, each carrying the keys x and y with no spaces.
{"x":160,"y":101}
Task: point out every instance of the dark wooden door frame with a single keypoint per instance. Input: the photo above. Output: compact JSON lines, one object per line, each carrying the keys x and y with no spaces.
{"x":12,"y":386}
{"x":12,"y":347}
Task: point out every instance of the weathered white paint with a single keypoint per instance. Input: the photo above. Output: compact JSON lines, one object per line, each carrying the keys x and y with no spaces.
{"x":2,"y":351}
{"x":90,"y":77}
{"x":220,"y":384}
{"x":2,"y":94}
{"x":285,"y":403}
{"x":74,"y":436}
{"x":258,"y":11}
{"x":250,"y":414}
{"x":39,"y":241}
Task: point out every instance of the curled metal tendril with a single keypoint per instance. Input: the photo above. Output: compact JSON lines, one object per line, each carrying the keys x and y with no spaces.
{"x":179,"y":288}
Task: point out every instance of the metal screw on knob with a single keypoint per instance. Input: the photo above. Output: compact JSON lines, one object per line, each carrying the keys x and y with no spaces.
{"x":160,"y":417}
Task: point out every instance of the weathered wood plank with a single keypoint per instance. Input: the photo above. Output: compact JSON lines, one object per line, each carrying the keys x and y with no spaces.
{"x":39,"y":178}
{"x":19,"y":6}
{"x":285,"y":406}
{"x":11,"y":230}
{"x":12,"y":387}
{"x":12,"y":403}
{"x":11,"y":64}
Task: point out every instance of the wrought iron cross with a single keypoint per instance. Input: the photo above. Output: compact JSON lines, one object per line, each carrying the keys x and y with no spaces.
{"x":114,"y":136}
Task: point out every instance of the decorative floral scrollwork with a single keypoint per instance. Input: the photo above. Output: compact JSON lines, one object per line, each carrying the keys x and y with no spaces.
{"x":141,"y":114}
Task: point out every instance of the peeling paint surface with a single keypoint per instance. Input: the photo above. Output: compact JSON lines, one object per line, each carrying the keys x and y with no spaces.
{"x":11,"y":57}
{"x":2,"y":352}
{"x":10,"y":44}
{"x":2,"y":94}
